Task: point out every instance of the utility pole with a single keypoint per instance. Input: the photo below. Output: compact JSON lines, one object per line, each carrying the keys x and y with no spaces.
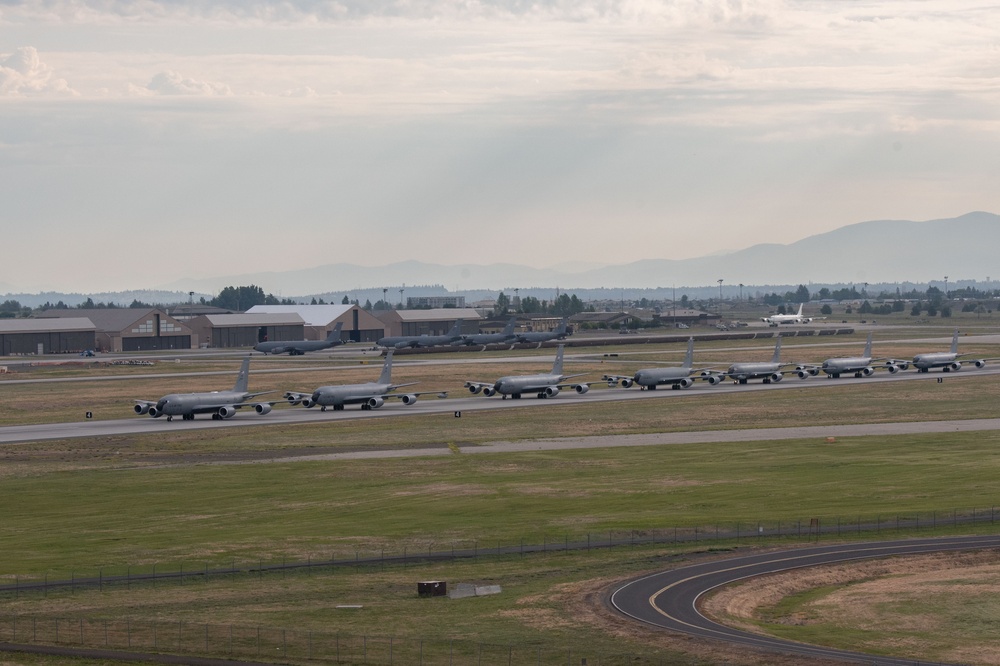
{"x":720,"y":297}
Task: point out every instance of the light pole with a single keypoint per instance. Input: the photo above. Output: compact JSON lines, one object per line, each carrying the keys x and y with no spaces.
{"x":946,"y":287}
{"x":741,"y":292}
{"x":720,"y":297}
{"x":401,"y":296}
{"x":385,"y":297}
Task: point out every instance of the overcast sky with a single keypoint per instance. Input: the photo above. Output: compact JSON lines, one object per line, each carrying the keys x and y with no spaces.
{"x":143,"y":141}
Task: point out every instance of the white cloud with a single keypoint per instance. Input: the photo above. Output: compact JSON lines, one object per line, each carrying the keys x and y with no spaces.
{"x":23,"y":73}
{"x":172,"y":83}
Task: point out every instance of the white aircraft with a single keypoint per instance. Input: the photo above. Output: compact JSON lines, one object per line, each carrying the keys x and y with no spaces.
{"x":543,"y":385}
{"x":774,"y":320}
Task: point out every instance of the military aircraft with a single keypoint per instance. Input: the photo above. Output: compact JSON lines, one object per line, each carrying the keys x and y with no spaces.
{"x":475,"y":339}
{"x":544,"y":386}
{"x":650,"y":378}
{"x":403,"y":341}
{"x":300,"y":347}
{"x":544,"y":336}
{"x":776,"y":319}
{"x":370,"y":395}
{"x":220,"y":404}
{"x":947,"y":361}
{"x":769,"y":372}
{"x":861,"y":366}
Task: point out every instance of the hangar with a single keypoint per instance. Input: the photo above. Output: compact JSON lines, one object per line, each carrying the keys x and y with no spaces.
{"x":428,"y":322}
{"x":131,"y":329}
{"x":46,"y":336}
{"x":223,"y":331}
{"x":359,"y":324}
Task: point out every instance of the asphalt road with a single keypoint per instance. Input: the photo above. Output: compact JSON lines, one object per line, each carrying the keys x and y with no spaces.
{"x":449,"y":406}
{"x":669,"y":599}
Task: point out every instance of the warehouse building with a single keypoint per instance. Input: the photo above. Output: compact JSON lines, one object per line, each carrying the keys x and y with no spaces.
{"x":46,"y":336}
{"x":225,"y":331}
{"x":428,"y":322}
{"x":132,"y":329}
{"x":358,"y":324}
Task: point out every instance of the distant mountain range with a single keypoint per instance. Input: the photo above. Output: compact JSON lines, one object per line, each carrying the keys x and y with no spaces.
{"x":878,"y":252}
{"x":888,"y":251}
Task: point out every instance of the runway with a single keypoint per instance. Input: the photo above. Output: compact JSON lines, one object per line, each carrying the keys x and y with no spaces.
{"x":669,"y":600}
{"x":139,"y":425}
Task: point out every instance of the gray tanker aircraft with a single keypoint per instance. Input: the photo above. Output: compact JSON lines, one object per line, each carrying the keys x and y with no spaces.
{"x":861,"y":366}
{"x":544,"y":386}
{"x":370,"y":395}
{"x":300,"y":347}
{"x":220,"y":404}
{"x":559,"y":333}
{"x":403,"y":341}
{"x":476,"y":339}
{"x":947,"y":361}
{"x":769,"y":372}
{"x":650,"y":378}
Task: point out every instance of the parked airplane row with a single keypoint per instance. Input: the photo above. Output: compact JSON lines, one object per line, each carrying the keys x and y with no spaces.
{"x":372,"y":395}
{"x":454,"y":338}
{"x":774,"y":371}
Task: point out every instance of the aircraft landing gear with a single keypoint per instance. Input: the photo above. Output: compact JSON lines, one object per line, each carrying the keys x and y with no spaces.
{"x":170,"y":418}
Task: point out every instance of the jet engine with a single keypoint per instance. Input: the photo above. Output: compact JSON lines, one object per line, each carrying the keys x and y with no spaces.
{"x":408,"y":399}
{"x":867,"y":372}
{"x":627,"y":383}
{"x":262,"y":408}
{"x":308,"y":402}
{"x":475,"y":389}
{"x":551,"y":391}
{"x":687,"y":382}
{"x":582,"y":388}
{"x":980,"y":363}
{"x":154,"y":412}
{"x":803,"y":373}
{"x":489,"y":391}
{"x":226,"y":412}
{"x":375,"y":403}
{"x":715,"y":380}
{"x":141,"y":408}
{"x":892,"y":368}
{"x":953,"y":367}
{"x":776,"y":377}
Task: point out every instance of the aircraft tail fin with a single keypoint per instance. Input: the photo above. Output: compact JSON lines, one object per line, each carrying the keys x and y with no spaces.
{"x":386,"y":376}
{"x":954,"y":343}
{"x":456,"y":330}
{"x":868,"y":347}
{"x":557,"y":367}
{"x":509,"y":328}
{"x":243,"y":378}
{"x":562,"y":326}
{"x":777,"y":352}
{"x":335,"y":333}
{"x":689,"y":359}
{"x":800,"y":310}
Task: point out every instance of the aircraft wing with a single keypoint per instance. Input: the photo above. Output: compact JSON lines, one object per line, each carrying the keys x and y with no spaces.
{"x":615,"y":378}
{"x":396,"y":386}
{"x":296,"y":397}
{"x":405,"y":396}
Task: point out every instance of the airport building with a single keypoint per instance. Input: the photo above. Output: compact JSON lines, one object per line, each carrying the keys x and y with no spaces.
{"x":428,"y":302}
{"x":226,"y":331}
{"x":428,"y":322}
{"x":46,"y":336}
{"x":359,"y":324}
{"x":131,"y":329}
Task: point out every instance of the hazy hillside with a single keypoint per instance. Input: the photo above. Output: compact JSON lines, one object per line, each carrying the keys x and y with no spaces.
{"x":876,"y":251}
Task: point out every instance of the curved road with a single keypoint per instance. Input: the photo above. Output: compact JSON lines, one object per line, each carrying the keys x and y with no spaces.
{"x":670,"y":599}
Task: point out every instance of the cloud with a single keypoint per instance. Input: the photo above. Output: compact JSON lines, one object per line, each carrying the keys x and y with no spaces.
{"x":172,"y":83}
{"x":23,"y":73}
